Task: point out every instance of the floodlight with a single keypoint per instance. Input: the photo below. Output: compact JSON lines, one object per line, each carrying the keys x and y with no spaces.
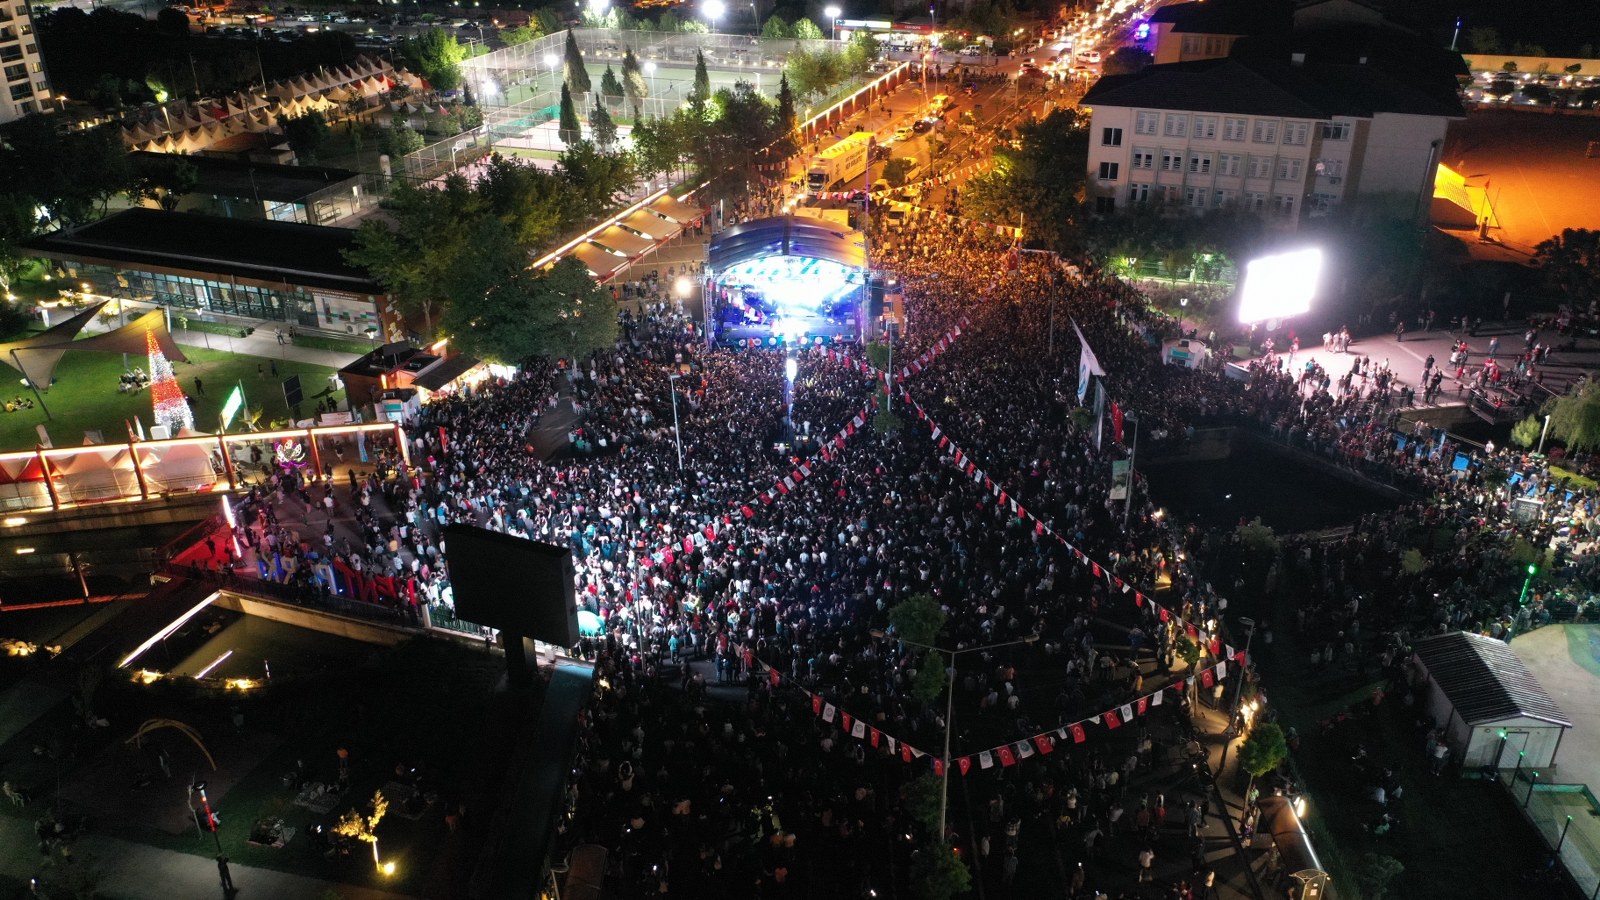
{"x":714,"y":9}
{"x":791,"y":368}
{"x":832,"y":12}
{"x":1279,"y":286}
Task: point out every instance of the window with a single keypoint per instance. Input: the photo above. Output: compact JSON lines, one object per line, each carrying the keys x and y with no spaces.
{"x":17,"y":72}
{"x":1200,"y":164}
{"x":1144,"y":158}
{"x":1266,"y":132}
{"x":1255,"y":201}
{"x":19,"y":91}
{"x":1169,"y":194}
{"x":1321,"y":204}
{"x":1294,"y":133}
{"x":1144,"y":123}
{"x":1330,"y":168}
{"x":1230,"y":164}
{"x":1172,"y":160}
{"x":10,"y":53}
{"x":1177,"y":126}
{"x":1219,"y":199}
{"x":1111,"y":137}
{"x":1283,"y":205}
{"x":1233,"y":129}
{"x":1191,"y":44}
{"x":1260,"y":167}
{"x":1108,"y":171}
{"x":1138,"y":193}
{"x":1205,"y":127}
{"x":1194,"y":197}
{"x":1104,"y":205}
{"x":1336,"y":131}
{"x":1289,"y":169}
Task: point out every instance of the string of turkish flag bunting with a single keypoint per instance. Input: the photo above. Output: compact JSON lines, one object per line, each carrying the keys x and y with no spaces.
{"x":665,"y":554}
{"x":916,"y":366}
{"x":1044,"y":742}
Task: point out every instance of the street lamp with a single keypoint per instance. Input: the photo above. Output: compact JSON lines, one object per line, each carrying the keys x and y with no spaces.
{"x":550,"y":60}
{"x":950,"y":707}
{"x":677,"y":437}
{"x":650,"y":70}
{"x":714,"y":10}
{"x":832,"y":13}
{"x":1183,"y":304}
{"x":1238,"y":694}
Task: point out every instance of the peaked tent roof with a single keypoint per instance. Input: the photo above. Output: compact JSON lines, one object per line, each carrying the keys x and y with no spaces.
{"x":39,"y":362}
{"x":58,"y":333}
{"x":1484,"y":679}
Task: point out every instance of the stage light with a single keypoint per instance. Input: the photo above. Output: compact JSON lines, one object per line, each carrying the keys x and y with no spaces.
{"x":791,"y":367}
{"x":1276,"y":287}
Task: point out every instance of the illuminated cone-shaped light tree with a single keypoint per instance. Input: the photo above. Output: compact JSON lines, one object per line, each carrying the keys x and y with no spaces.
{"x":171,"y":406}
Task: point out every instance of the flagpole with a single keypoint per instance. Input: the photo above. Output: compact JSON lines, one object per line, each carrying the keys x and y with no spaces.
{"x":1132,"y":456}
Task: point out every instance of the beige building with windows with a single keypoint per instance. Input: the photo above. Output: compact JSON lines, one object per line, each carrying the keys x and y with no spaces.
{"x":1291,"y":142}
{"x":27,"y":89}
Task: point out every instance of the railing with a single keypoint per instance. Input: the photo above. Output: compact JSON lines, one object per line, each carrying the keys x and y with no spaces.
{"x":1566,"y":816}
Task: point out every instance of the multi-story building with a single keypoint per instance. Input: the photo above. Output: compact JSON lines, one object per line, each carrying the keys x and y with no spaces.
{"x":27,"y":89}
{"x":1185,"y":32}
{"x":1290,"y":141}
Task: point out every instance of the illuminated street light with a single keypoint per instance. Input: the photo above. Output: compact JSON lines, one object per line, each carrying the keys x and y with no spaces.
{"x":714,"y":10}
{"x":832,"y":13}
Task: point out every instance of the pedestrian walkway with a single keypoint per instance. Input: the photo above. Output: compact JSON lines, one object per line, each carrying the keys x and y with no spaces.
{"x":129,"y":871}
{"x":264,"y":342}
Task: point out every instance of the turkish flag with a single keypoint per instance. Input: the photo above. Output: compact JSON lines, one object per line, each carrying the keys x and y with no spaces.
{"x":1111,"y":719}
{"x":938,"y":767}
{"x":1142,"y":705}
{"x":876,"y":736}
{"x":846,"y":723}
{"x":964,"y":763}
{"x":905,"y":752}
{"x":1078,"y":734}
{"x":1207,"y":678}
{"x":816,"y":704}
{"x":775,"y":676}
{"x":1116,"y":421}
{"x":1007,"y":758}
{"x":1044,"y":743}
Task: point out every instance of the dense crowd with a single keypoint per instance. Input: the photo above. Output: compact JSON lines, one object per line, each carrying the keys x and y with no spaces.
{"x":705,"y":775}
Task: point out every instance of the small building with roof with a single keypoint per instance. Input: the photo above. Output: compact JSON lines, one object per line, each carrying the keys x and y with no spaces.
{"x":207,"y":267}
{"x":245,"y":189}
{"x":1491,"y":708}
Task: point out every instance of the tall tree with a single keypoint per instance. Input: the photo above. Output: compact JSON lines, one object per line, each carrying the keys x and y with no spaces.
{"x":521,"y":34}
{"x":436,"y":55}
{"x":603,"y":127}
{"x":594,"y":180}
{"x":1570,"y":263}
{"x":531,"y":201}
{"x":414,"y":258}
{"x":163,"y":180}
{"x":1575,"y":417}
{"x":306,"y":133}
{"x":1040,"y":185}
{"x":634,"y":84}
{"x":805,"y":30}
{"x":775,"y":28}
{"x":610,"y":87}
{"x":569,"y":130}
{"x":573,"y":70}
{"x":700,"y":94}
{"x":514,"y":313}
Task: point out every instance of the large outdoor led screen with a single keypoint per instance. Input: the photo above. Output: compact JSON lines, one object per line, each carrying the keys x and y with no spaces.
{"x":1276,"y":287}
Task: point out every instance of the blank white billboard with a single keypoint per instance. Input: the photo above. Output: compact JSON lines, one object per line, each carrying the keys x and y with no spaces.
{"x":1280,"y":286}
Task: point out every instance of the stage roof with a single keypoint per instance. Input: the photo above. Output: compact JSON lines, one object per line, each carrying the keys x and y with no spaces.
{"x":785,"y":236}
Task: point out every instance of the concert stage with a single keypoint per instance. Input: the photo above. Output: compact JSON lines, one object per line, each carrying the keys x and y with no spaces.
{"x":785,"y":281}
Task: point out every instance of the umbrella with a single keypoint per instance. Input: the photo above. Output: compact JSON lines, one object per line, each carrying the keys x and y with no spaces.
{"x":588,"y":622}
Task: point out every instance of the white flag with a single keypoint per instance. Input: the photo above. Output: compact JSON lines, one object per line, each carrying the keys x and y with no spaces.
{"x":828,"y":712}
{"x":858,"y":730}
{"x":1025,"y":749}
{"x":1087,"y":364}
{"x":1127,"y":712}
{"x":986,"y":760}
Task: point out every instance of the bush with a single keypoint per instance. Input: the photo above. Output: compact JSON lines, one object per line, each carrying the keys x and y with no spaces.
{"x":328,"y":342}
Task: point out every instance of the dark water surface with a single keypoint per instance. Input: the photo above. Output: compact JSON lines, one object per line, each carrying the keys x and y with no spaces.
{"x":1289,"y":495}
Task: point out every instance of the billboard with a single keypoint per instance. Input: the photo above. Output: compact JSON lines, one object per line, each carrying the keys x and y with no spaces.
{"x":1279,"y":286}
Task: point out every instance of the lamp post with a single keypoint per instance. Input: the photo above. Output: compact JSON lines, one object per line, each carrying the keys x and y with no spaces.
{"x":650,"y":70}
{"x":714,"y":10}
{"x":1532,"y":571}
{"x":832,"y":13}
{"x":1183,"y":305}
{"x":949,"y":707}
{"x":1133,"y":456}
{"x":550,"y":60}
{"x":677,"y":437}
{"x":1543,"y":433}
{"x":1238,"y":692}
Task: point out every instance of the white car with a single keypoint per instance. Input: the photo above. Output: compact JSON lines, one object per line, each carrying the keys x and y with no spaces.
{"x":1089,"y":57}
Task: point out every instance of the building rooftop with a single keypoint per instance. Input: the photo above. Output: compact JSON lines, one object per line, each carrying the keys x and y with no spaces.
{"x":1229,"y":17}
{"x":1263,"y":89}
{"x":1485,"y":680}
{"x":263,"y":181}
{"x":257,"y":250}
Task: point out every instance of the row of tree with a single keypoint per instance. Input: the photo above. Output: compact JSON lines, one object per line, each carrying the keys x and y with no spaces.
{"x":456,"y":257}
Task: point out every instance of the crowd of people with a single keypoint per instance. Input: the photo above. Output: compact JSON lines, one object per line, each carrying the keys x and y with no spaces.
{"x":731,"y":785}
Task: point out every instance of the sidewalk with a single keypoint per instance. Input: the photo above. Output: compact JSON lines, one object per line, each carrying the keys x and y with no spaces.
{"x":130,"y":871}
{"x":264,"y":342}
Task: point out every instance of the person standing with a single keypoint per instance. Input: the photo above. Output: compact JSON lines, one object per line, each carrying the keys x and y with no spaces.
{"x":1147,"y":858}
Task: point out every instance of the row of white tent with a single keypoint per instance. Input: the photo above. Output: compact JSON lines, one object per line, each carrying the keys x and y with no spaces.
{"x":103,"y":473}
{"x":195,"y":138}
{"x":179,"y":120}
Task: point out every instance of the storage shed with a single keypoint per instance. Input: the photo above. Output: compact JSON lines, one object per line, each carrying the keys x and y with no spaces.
{"x":1477,"y":688}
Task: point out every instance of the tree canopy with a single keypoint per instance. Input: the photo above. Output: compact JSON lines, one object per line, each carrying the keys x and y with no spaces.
{"x":573,"y":71}
{"x":568,"y":130}
{"x":1039,"y":186}
{"x":436,"y":55}
{"x":1575,"y":416}
{"x":1570,"y":263}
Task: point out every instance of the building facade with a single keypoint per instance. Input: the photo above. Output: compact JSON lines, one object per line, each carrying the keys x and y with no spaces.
{"x":1290,"y":144}
{"x":27,"y":86}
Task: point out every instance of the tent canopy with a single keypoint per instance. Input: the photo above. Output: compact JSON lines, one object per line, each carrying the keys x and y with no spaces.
{"x":651,"y":225}
{"x":623,"y":241}
{"x":785,"y":236}
{"x":682,"y":213}
{"x":600,"y":264}
{"x":37,"y":362}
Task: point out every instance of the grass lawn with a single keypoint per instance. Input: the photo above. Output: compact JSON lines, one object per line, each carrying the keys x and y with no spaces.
{"x":85,"y":395}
